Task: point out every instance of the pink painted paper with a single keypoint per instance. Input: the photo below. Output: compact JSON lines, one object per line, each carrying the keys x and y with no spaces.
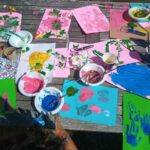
{"x":13,"y":14}
{"x":119,"y":19}
{"x":91,"y":19}
{"x":47,"y":20}
{"x":126,"y":56}
{"x":61,"y":72}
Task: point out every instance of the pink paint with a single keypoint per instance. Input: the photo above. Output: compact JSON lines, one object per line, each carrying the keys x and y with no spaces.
{"x":65,"y":107}
{"x":85,"y":94}
{"x":32,"y":85}
{"x":95,"y":109}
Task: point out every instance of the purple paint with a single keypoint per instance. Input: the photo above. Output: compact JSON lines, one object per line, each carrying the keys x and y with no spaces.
{"x":48,"y":103}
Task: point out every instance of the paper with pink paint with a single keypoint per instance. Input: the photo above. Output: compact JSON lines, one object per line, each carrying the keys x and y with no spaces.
{"x":95,"y":104}
{"x":9,"y":22}
{"x":91,"y":19}
{"x":60,"y":68}
{"x":119,"y":20}
{"x":37,"y":58}
{"x":54,"y":24}
{"x":130,"y":56}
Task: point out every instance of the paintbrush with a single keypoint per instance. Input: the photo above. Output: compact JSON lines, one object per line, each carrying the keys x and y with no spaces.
{"x":84,"y":48}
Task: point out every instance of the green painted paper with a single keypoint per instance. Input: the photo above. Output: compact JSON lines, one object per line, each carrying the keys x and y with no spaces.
{"x":7,"y":86}
{"x":136,"y":122}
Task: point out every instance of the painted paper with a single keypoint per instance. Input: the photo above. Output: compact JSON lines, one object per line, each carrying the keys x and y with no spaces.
{"x":96,"y":104}
{"x":7,"y":96}
{"x":55,"y":24}
{"x":91,"y":19}
{"x":7,"y":68}
{"x":117,"y":47}
{"x":37,"y":58}
{"x":60,"y":68}
{"x":9,"y":22}
{"x":120,"y":27}
{"x":132,"y":77}
{"x":136,"y":122}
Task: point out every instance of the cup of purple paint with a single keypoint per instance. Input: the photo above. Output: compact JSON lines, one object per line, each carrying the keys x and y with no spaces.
{"x":92,"y":74}
{"x":48,"y":100}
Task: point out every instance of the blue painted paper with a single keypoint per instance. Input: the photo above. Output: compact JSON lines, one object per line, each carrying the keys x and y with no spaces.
{"x":96,"y":104}
{"x":134,"y":78}
{"x":146,"y":5}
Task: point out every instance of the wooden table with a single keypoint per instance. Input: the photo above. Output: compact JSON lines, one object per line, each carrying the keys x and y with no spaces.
{"x":31,"y":22}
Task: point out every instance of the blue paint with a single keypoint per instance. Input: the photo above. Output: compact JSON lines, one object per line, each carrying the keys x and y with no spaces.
{"x":134,"y":78}
{"x":49,"y":103}
{"x":132,"y":134}
{"x":145,"y":124}
{"x":84,"y":111}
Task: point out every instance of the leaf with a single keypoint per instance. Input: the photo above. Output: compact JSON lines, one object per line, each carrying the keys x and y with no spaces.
{"x":5,"y":17}
{"x":49,"y":51}
{"x":62,"y":32}
{"x":75,"y":46}
{"x":56,"y":12}
{"x":56,"y":54}
{"x":71,"y":91}
{"x":63,"y":57}
{"x":60,"y":64}
{"x":132,"y":25}
{"x":26,"y":50}
{"x":13,"y":21}
{"x":12,"y":8}
{"x":48,"y":34}
{"x":42,"y":72}
{"x":56,"y":25}
{"x":50,"y":67}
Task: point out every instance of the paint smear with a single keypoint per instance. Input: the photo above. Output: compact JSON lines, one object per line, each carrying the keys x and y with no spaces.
{"x":134,"y":78}
{"x":85,"y":94}
{"x":32,"y":85}
{"x":65,"y":108}
{"x":95,"y":109}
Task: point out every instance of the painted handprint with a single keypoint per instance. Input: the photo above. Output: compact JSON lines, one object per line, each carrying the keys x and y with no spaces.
{"x":145,"y":124}
{"x":132,"y":134}
{"x":134,"y":114}
{"x":103,"y":96}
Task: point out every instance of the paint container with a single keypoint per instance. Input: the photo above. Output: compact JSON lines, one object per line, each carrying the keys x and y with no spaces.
{"x":20,"y":39}
{"x":31,"y":83}
{"x":92,"y":74}
{"x":46,"y":101}
{"x":109,"y":58}
{"x":139,"y":13}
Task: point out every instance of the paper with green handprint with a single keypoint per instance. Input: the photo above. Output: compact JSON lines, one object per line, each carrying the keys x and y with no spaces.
{"x":136,"y":122}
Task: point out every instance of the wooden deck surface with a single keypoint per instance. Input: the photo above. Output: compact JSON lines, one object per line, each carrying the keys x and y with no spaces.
{"x":31,"y":22}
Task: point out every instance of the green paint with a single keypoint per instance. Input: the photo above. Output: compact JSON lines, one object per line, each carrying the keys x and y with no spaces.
{"x":71,"y":91}
{"x":50,"y":67}
{"x":8,"y":87}
{"x":48,"y":34}
{"x":136,"y":122}
{"x":49,"y":51}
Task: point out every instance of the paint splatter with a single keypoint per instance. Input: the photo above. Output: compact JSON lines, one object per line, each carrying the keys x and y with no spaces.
{"x":65,"y":108}
{"x":85,"y":94}
{"x":95,"y":109}
{"x":133,"y":77}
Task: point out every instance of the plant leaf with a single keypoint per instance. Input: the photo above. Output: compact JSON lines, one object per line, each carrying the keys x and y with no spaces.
{"x":56,"y":12}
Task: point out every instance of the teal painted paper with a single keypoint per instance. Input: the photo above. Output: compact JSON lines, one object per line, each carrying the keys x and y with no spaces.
{"x":96,"y":104}
{"x":136,"y":122}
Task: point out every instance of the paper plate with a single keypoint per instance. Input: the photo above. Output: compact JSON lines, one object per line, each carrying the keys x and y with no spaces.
{"x":45,"y":92}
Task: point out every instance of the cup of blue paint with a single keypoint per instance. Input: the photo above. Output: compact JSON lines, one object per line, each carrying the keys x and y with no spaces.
{"x":48,"y":100}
